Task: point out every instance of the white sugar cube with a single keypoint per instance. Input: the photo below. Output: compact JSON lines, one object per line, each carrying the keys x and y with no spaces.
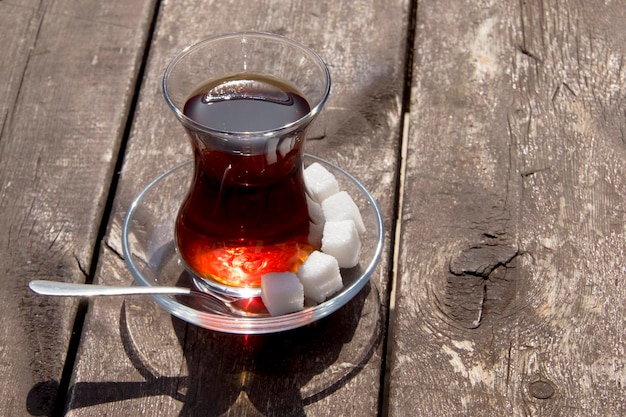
{"x":270,"y":151}
{"x":286,"y":145}
{"x":341,"y":206}
{"x":316,"y":214}
{"x":341,"y":240}
{"x":282,"y":293}
{"x":316,"y":225}
{"x":320,"y":276}
{"x":315,"y":234}
{"x":320,"y":182}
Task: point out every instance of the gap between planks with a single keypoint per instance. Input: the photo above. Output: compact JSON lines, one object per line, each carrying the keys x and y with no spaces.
{"x":404,"y":144}
{"x":388,"y":351}
{"x":62,"y":395}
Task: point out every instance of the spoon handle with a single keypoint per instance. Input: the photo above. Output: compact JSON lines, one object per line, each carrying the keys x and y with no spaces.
{"x":69,"y":289}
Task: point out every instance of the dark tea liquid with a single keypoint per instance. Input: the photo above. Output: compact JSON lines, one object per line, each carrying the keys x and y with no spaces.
{"x":246,"y":212}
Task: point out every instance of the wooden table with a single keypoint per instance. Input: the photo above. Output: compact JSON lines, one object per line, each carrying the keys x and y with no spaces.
{"x":491,"y":133}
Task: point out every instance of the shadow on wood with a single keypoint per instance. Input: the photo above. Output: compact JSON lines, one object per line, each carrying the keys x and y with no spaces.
{"x":266,"y":375}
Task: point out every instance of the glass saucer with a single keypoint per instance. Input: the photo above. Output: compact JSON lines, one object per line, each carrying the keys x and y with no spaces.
{"x":150,"y":254}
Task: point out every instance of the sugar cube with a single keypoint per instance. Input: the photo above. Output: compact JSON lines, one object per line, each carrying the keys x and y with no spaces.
{"x":282,"y":293}
{"x":316,"y":214}
{"x":270,"y":151}
{"x":320,"y":276}
{"x":320,"y":182}
{"x":315,"y":234}
{"x":341,"y":206}
{"x":341,"y":240}
{"x":286,"y":145}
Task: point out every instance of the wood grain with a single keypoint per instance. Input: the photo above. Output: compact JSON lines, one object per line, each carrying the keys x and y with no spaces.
{"x":511,"y":297}
{"x":143,"y":361}
{"x":62,"y":115}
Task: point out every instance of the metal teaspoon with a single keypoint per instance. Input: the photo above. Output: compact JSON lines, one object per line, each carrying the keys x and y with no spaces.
{"x":237,"y":306}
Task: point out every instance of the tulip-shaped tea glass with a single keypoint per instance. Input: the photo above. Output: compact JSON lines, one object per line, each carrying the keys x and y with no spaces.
{"x":246,"y":101}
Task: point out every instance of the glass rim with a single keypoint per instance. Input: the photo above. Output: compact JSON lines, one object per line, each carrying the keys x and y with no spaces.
{"x":188,"y":122}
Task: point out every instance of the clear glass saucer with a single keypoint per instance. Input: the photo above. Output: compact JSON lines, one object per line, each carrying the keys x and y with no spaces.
{"x":150,"y":254}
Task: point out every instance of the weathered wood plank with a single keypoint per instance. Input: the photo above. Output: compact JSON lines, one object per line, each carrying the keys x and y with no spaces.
{"x":146,"y":361}
{"x":67,"y":78}
{"x":18,"y":25}
{"x":511,"y":296}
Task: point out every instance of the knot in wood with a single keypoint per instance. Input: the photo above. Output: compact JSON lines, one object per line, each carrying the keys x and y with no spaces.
{"x":541,"y":390}
{"x":479,"y":283}
{"x":481,"y":260}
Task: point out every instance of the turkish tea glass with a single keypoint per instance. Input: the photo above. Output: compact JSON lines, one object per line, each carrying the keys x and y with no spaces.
{"x":246,"y":101}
